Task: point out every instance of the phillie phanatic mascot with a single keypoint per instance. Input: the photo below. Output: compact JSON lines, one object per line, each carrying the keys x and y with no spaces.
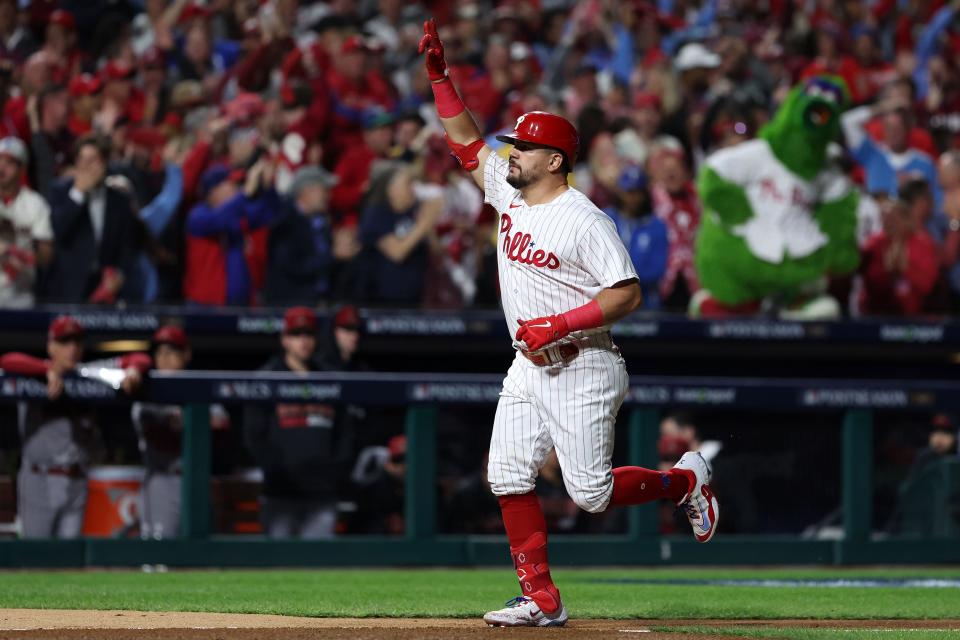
{"x":778,"y":218}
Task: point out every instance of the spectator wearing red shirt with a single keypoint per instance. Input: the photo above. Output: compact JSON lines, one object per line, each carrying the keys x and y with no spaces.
{"x":353,"y":169}
{"x":84,"y":92}
{"x":900,"y":265}
{"x":10,"y":125}
{"x":61,"y":46}
{"x":354,"y":92}
{"x":121,"y":99}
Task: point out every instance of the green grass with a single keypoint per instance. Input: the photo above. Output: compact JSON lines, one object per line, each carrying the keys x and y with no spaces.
{"x":468,"y":593}
{"x":817,"y":634}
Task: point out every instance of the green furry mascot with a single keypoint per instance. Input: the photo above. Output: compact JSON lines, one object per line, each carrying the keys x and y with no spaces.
{"x":777,"y":217}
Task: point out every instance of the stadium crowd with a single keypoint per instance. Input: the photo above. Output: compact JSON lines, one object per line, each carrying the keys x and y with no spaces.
{"x":287,"y":152}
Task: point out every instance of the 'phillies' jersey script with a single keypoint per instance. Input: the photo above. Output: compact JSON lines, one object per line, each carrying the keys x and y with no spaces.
{"x":552,"y":257}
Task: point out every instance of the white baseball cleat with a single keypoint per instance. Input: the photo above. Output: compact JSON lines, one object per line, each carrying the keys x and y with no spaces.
{"x":699,"y":504}
{"x":522,"y":611}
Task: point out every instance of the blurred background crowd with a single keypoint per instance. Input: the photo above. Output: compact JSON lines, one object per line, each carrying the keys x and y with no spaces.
{"x":277,"y":152}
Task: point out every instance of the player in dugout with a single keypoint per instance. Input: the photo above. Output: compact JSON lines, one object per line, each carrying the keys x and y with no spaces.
{"x":301,"y":447}
{"x":160,"y":433}
{"x":60,"y":436}
{"x":565,"y":278}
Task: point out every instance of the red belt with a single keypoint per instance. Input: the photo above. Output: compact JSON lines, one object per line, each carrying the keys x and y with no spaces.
{"x":554,"y":355}
{"x":72,"y":471}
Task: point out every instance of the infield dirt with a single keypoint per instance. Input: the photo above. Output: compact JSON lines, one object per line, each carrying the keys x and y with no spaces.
{"x":50,"y":624}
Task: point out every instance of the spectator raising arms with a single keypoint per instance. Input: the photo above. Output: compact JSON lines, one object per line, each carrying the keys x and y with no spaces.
{"x":217,"y":270}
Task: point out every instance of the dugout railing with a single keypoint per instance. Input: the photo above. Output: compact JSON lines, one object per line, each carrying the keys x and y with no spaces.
{"x":422,"y":546}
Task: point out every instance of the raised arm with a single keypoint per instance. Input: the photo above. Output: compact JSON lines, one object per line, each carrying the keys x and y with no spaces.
{"x":463,"y":134}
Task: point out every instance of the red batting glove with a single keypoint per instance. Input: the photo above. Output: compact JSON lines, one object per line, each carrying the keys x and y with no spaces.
{"x":430,"y":42}
{"x":540,"y":332}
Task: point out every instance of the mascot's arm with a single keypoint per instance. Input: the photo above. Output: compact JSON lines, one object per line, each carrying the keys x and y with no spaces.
{"x":838,"y":220}
{"x":726,"y":199}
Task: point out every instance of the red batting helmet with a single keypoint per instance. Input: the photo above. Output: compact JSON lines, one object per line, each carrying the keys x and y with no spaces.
{"x":547,"y":129}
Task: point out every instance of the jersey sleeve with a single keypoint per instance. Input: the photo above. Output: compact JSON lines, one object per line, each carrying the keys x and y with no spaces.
{"x":603,"y":256}
{"x":496,"y":191}
{"x":23,"y":364}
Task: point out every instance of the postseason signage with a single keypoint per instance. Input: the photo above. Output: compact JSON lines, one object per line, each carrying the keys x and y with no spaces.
{"x":367,"y":389}
{"x":393,"y":389}
{"x":759,"y":330}
{"x":489,"y":324}
{"x":785,"y":394}
{"x":18,"y":388}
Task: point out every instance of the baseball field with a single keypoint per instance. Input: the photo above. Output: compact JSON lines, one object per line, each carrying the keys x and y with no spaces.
{"x":803,"y":604}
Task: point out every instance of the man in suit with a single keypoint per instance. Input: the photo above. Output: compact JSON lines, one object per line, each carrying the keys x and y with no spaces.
{"x":94,"y":231}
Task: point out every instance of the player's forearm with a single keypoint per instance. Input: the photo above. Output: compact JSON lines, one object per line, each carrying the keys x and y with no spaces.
{"x":24,"y":364}
{"x":456,"y":120}
{"x":618,"y":301}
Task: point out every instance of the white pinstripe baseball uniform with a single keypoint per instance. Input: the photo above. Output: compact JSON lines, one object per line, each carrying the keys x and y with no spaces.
{"x":554,"y":257}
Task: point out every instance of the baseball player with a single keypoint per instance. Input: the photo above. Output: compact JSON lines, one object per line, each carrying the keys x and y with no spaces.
{"x":565,"y":277}
{"x":60,"y":436}
{"x":300,"y":447}
{"x":160,"y":432}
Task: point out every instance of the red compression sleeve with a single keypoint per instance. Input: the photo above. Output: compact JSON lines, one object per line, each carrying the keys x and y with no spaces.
{"x":23,"y":364}
{"x":636,"y":485}
{"x":448,"y":101}
{"x":589,"y":316}
{"x":522,"y":517}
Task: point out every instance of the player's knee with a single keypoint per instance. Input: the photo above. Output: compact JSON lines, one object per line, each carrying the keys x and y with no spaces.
{"x":515,"y":486}
{"x":593,"y":499}
{"x":505,"y":481}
